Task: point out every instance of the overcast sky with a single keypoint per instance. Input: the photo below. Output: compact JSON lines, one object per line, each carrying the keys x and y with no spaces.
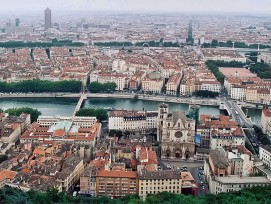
{"x":248,"y":6}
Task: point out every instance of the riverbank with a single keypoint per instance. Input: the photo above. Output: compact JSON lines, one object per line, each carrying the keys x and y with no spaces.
{"x":159,"y":98}
{"x":166,"y":99}
{"x":41,"y":95}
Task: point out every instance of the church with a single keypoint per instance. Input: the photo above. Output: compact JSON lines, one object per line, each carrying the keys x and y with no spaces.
{"x":175,"y":134}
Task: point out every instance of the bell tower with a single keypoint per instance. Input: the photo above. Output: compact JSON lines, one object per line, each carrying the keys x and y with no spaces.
{"x":161,"y":123}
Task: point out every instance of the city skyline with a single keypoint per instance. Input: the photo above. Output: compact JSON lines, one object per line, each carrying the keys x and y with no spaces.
{"x":244,"y":6}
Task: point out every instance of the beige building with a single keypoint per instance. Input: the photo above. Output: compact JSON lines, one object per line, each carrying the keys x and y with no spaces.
{"x":132,"y":120}
{"x":153,"y":82}
{"x":266,"y":121}
{"x":159,"y":181}
{"x":251,"y":94}
{"x":153,"y":86}
{"x":173,"y":84}
{"x":223,"y":174}
{"x":265,"y":155}
{"x":70,"y":175}
{"x":88,"y":181}
{"x":116,"y":183}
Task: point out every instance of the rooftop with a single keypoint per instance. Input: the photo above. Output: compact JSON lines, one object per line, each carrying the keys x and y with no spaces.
{"x":218,"y":159}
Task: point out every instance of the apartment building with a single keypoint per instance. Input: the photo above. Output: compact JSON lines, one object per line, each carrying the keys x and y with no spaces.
{"x":266,"y":121}
{"x":222,"y":175}
{"x":88,"y":181}
{"x":6,"y":176}
{"x":219,"y":131}
{"x":132,"y":120}
{"x":213,"y":86}
{"x":84,"y":122}
{"x":63,"y":131}
{"x":159,"y":181}
{"x":153,"y":82}
{"x":70,"y":174}
{"x":116,"y":183}
{"x":173,"y":84}
{"x":223,"y":55}
{"x":265,"y":155}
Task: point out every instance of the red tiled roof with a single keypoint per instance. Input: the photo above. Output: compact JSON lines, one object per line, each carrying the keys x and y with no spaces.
{"x":117,"y":174}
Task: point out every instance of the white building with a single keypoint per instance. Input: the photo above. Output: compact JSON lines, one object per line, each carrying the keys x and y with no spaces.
{"x":265,"y":155}
{"x":266,"y":121}
{"x":213,"y":86}
{"x":119,"y":66}
{"x":223,"y":175}
{"x":238,"y":92}
{"x":132,"y":120}
{"x":118,"y":79}
{"x":84,"y":122}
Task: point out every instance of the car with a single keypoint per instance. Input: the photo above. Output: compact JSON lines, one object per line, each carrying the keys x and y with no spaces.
{"x":184,"y":170}
{"x":184,"y":167}
{"x":201,"y":173}
{"x":201,"y":168}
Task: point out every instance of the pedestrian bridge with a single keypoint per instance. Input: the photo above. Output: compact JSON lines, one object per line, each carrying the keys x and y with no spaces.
{"x":79,"y":104}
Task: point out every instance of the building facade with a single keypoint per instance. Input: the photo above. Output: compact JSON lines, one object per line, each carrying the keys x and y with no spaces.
{"x":134,"y":121}
{"x":265,"y":155}
{"x":175,"y":133}
{"x":48,"y":19}
{"x":116,"y":183}
{"x":159,"y":181}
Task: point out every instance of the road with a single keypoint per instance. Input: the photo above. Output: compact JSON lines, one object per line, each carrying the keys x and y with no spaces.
{"x":237,"y":113}
{"x":192,"y":167}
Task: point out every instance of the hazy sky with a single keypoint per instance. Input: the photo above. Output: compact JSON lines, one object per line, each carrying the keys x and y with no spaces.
{"x":248,"y":6}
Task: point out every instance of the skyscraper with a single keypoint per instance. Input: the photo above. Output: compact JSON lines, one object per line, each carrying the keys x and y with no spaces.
{"x":190,"y":39}
{"x":48,"y":18}
{"x":17,"y":22}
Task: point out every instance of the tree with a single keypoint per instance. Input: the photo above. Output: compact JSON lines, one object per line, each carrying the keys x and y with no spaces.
{"x":100,"y":114}
{"x":54,"y":43}
{"x":96,"y":87}
{"x":34,"y":113}
{"x":119,"y":133}
{"x":127,"y":133}
{"x":112,"y":133}
{"x":206,"y":94}
{"x":39,"y":86}
{"x":3,"y":158}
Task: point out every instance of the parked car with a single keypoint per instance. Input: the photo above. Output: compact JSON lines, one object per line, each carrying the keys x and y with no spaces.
{"x":200,"y":168}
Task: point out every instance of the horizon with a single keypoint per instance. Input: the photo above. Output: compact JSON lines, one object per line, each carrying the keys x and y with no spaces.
{"x":262,"y":7}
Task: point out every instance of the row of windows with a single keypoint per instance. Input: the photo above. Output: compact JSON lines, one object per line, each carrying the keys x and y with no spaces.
{"x":154,"y":192}
{"x":160,"y":187}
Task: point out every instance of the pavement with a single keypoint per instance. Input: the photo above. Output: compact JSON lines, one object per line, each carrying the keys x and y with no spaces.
{"x":192,"y":167}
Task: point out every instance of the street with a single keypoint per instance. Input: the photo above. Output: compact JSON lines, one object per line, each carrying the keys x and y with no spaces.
{"x":193,"y":168}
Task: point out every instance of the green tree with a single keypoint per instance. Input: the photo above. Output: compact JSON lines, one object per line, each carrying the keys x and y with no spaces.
{"x":112,"y":133}
{"x":34,"y":113}
{"x":96,"y":87}
{"x":206,"y":94}
{"x":39,"y":86}
{"x":3,"y":158}
{"x":99,"y":113}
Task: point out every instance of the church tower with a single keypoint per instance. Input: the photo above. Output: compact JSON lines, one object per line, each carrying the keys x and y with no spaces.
{"x":161,"y":122}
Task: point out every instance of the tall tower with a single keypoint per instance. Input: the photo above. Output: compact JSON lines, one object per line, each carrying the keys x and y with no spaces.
{"x":48,"y":18}
{"x":190,"y":39}
{"x":17,"y":22}
{"x":161,"y":124}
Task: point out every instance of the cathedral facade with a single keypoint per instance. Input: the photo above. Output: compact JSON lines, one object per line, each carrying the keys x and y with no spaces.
{"x":175,"y":134}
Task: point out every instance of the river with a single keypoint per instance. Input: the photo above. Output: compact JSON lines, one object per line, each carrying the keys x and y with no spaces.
{"x":66,"y":106}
